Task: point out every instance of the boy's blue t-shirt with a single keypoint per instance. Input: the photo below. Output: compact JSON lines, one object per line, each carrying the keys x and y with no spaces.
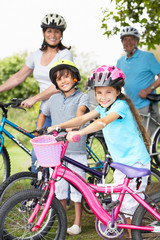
{"x":122,"y":136}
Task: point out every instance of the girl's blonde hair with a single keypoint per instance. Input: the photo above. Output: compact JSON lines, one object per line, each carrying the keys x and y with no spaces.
{"x":137,"y":117}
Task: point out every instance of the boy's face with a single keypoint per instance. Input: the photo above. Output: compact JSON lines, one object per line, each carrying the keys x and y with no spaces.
{"x":106,"y":95}
{"x":64,"y":82}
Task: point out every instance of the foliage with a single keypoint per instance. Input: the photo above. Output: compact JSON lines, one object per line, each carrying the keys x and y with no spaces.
{"x":145,"y":13}
{"x":11,"y":65}
{"x":156,"y":52}
{"x":86,"y":62}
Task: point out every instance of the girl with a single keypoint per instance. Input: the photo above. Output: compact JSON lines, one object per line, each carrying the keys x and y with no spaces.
{"x":123,"y":131}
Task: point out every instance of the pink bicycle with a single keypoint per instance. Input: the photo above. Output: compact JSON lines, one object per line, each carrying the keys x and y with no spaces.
{"x":38,"y":214}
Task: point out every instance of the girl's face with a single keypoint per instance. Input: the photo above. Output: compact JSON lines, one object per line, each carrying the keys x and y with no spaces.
{"x":52,"y":36}
{"x":64,"y":82}
{"x":106,"y":95}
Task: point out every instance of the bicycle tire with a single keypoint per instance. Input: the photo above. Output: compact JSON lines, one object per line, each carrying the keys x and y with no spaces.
{"x":153,"y":185}
{"x":16,"y":211}
{"x":5,"y":166}
{"x":156,"y":147}
{"x":15,"y":183}
{"x":99,"y":148}
{"x":142,"y":217}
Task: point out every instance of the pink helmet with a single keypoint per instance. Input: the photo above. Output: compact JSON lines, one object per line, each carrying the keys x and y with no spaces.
{"x":106,"y":76}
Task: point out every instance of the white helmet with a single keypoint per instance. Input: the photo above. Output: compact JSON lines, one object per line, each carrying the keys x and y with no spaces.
{"x":54,"y":21}
{"x":129,"y":31}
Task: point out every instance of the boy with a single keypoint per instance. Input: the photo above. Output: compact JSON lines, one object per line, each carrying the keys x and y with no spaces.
{"x":63,"y":106}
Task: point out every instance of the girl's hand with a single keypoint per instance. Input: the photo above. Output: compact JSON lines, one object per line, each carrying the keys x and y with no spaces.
{"x":71,"y":134}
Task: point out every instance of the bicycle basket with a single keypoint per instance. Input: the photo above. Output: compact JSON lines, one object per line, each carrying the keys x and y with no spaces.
{"x":47,"y":150}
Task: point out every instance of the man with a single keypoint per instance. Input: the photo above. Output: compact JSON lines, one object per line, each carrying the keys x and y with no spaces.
{"x":140,"y":69}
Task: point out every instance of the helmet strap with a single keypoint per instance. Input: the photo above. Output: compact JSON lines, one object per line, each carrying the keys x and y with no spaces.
{"x":70,"y":88}
{"x":129,"y":54}
{"x":51,"y":46}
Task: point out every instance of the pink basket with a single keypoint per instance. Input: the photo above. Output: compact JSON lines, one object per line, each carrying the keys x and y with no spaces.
{"x":47,"y":150}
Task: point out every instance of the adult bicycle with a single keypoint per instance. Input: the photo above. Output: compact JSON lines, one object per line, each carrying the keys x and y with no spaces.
{"x":5,"y":165}
{"x":37,"y":214}
{"x":155,"y":137}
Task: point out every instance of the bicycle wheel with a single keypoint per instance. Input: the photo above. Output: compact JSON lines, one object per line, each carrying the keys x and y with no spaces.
{"x":156,"y":147}
{"x":142,"y":217}
{"x":153,"y":185}
{"x":16,"y":211}
{"x":15,"y":183}
{"x":4,"y":165}
{"x":96,"y":151}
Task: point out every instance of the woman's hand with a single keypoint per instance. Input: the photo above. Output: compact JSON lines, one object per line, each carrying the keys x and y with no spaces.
{"x":28,"y":103}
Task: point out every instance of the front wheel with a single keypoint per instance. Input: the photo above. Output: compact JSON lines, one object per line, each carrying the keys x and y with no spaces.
{"x":156,"y":147}
{"x":4,"y":165}
{"x":16,"y":211}
{"x":142,"y":217}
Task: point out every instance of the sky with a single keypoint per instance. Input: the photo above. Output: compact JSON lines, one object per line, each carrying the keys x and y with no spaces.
{"x":20,"y":28}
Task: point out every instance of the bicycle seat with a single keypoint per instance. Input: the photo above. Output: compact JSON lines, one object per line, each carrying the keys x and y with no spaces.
{"x":153,"y":97}
{"x":131,"y":172}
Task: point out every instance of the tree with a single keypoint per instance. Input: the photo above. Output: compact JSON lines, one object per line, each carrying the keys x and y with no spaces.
{"x":11,"y":65}
{"x":143,"y":13}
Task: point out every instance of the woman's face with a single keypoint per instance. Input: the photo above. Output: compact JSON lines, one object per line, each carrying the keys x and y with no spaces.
{"x":106,"y":95}
{"x":52,"y":36}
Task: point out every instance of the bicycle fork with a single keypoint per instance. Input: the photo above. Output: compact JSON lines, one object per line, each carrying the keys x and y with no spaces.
{"x":46,"y":206}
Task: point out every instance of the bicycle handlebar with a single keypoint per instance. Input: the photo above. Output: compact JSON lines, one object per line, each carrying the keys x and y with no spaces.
{"x":43,"y":131}
{"x":14,"y":103}
{"x":153,"y":97}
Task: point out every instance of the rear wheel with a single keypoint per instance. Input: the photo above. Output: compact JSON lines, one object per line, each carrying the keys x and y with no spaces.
{"x":153,"y":185}
{"x":4,"y":165}
{"x":16,"y":211}
{"x":17,"y":182}
{"x":144,"y":218}
{"x":96,"y":151}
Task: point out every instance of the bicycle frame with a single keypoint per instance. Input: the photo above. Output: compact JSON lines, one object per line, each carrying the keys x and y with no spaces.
{"x":10,"y":136}
{"x":89,"y":192}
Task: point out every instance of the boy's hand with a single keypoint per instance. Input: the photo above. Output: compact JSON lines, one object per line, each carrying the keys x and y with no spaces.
{"x":50,"y":129}
{"x":36,"y":134}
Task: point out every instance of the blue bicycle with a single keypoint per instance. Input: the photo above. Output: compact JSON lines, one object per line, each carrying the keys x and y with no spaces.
{"x":95,"y":145}
{"x":5,"y":165}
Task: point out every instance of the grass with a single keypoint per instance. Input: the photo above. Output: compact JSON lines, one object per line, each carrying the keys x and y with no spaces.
{"x":20,"y":161}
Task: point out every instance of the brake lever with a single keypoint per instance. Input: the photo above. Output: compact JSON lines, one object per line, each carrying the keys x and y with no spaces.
{"x":18,"y":107}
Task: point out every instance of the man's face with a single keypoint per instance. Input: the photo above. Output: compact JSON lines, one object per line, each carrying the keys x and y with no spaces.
{"x":129,"y":43}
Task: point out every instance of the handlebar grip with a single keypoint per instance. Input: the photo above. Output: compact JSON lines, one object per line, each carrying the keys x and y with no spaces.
{"x":76,"y":138}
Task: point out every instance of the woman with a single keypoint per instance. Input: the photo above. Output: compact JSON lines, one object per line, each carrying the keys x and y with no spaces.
{"x":40,"y":62}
